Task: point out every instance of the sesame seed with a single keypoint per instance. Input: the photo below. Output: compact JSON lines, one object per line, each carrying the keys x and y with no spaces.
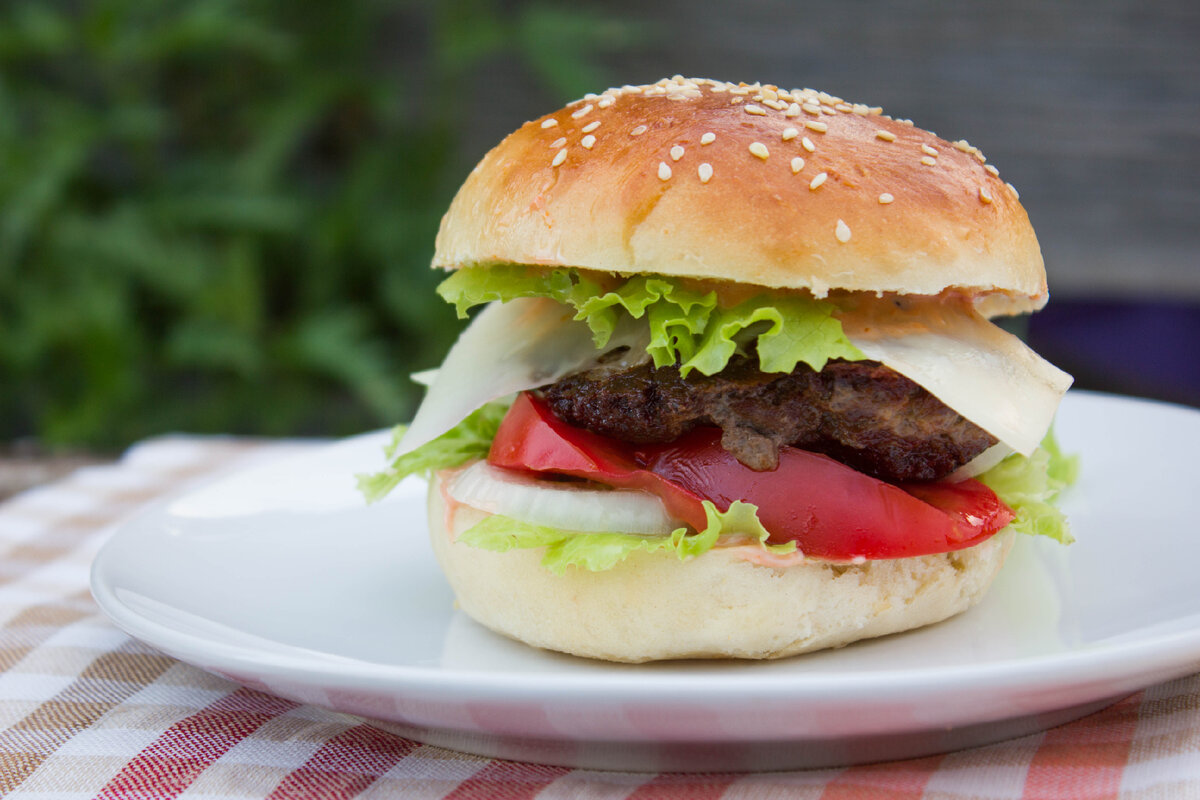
{"x":582,"y":111}
{"x":874,"y":111}
{"x":980,"y":156}
{"x":995,"y":173}
{"x":706,"y":172}
{"x":929,"y":151}
{"x":778,"y":105}
{"x":962,"y":145}
{"x":676,"y":153}
{"x":770,"y":94}
{"x":819,"y":127}
{"x":638,"y":131}
{"x":753,"y":109}
{"x":559,"y":157}
{"x":588,"y":141}
{"x":860,"y":109}
{"x":828,"y":110}
{"x":842,"y":232}
{"x":605,"y":102}
{"x":817,"y":181}
{"x":885,"y":198}
{"x":887,"y":136}
{"x":1013,"y":189}
{"x":789,"y":134}
{"x":733,"y":101}
{"x":549,"y":123}
{"x":797,"y":164}
{"x":984,"y":194}
{"x":559,"y":142}
{"x":591,"y":126}
{"x":928,"y":161}
{"x":664,"y":172}
{"x":793,"y":110}
{"x":808,"y":145}
{"x":811,"y":108}
{"x":759,"y":150}
{"x":843,"y":107}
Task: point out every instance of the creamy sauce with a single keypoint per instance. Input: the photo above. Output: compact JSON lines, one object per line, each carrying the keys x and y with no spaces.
{"x":745,"y":548}
{"x":450,"y":506}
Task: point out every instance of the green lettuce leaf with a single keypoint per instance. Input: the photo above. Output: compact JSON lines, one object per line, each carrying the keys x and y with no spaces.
{"x":472,"y":286}
{"x":470,"y":439}
{"x":1030,"y":485}
{"x":602,"y":551}
{"x":687,"y":327}
{"x":786,"y":330}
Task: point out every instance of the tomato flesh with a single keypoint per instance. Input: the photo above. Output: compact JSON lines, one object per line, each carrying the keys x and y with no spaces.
{"x":830,"y":510}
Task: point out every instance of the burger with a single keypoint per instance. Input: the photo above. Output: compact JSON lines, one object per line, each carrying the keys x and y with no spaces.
{"x":732,"y":387}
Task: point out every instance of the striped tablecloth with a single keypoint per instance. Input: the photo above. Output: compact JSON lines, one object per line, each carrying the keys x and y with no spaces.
{"x":85,"y":711}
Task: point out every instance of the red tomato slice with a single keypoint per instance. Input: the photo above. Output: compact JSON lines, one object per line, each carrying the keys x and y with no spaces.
{"x":830,"y":510}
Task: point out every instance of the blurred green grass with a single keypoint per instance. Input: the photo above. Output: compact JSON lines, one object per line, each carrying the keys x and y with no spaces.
{"x":217,"y":216}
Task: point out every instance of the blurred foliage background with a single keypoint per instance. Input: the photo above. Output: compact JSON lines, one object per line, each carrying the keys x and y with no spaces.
{"x":218,"y":216}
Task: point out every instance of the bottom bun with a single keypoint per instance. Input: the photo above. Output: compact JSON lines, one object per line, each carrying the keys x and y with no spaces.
{"x":652,"y":606}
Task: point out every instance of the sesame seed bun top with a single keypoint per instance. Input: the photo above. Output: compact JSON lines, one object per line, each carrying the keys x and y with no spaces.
{"x":751,"y":184}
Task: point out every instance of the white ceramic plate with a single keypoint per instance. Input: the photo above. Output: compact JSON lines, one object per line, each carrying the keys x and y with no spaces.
{"x":280,"y":578}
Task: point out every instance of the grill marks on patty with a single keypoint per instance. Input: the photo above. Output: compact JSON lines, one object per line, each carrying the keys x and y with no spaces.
{"x":860,"y":413}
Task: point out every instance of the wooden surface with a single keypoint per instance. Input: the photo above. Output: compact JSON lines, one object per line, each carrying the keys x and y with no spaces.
{"x":1091,"y":109}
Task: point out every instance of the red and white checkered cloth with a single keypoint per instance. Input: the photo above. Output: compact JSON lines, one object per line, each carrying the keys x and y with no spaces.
{"x":85,"y":711}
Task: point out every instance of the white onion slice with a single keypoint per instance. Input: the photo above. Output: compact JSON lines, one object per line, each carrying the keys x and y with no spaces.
{"x":559,"y":505}
{"x":508,"y":348}
{"x":981,"y":463}
{"x":981,"y":371}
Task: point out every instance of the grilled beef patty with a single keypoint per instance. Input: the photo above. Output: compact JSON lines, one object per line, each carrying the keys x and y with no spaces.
{"x":860,"y":413}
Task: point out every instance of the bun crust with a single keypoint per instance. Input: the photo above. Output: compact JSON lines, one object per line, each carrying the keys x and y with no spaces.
{"x":632,"y":613}
{"x":704,"y":179}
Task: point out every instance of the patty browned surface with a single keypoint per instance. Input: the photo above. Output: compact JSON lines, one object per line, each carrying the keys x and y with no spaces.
{"x":859,"y":412}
